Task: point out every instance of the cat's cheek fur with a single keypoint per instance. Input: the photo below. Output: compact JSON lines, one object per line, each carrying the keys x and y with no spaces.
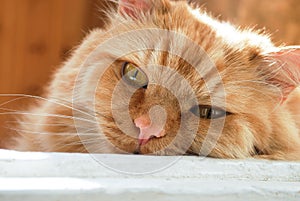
{"x":236,"y":140}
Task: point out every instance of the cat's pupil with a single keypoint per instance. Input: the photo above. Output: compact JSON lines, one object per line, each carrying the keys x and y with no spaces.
{"x":205,"y":112}
{"x":208,"y":112}
{"x":133,"y":75}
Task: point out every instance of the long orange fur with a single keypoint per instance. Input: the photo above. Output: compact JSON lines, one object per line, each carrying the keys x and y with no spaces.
{"x":264,"y":120}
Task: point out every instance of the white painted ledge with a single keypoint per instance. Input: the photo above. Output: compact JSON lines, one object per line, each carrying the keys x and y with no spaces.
{"x":68,"y":177}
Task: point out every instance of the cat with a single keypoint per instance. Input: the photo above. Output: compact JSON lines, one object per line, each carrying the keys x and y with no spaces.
{"x":152,"y":100}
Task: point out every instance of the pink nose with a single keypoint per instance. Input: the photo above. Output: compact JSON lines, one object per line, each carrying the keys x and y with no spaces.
{"x":148,"y":129}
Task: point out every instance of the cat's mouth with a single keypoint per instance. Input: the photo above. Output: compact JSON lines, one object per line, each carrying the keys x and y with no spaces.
{"x":159,"y":146}
{"x":142,"y":142}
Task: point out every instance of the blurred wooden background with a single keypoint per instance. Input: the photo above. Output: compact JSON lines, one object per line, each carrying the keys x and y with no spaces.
{"x":37,"y":35}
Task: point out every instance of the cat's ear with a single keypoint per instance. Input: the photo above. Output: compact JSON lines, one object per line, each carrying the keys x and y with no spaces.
{"x":284,"y":69}
{"x":137,"y":8}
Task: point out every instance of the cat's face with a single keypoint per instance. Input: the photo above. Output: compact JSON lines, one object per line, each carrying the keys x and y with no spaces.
{"x":151,"y":101}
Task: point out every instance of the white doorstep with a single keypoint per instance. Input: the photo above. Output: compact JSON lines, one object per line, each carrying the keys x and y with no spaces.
{"x":70,"y":177}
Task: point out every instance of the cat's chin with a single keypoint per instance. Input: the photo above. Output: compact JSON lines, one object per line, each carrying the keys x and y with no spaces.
{"x":163,"y":151}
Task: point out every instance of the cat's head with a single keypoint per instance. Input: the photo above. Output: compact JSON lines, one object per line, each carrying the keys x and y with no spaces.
{"x":178,"y":79}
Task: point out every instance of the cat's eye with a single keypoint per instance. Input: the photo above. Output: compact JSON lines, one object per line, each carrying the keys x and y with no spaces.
{"x":208,"y":112}
{"x":134,"y":76}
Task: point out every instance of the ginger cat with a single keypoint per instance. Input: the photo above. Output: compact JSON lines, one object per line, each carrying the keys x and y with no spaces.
{"x":165,"y":78}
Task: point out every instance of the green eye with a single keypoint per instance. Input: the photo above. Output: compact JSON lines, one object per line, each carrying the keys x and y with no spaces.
{"x":134,"y":76}
{"x":208,"y":112}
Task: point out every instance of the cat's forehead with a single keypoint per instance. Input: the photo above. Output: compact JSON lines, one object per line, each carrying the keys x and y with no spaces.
{"x":183,"y":20}
{"x":212,"y":35}
{"x":165,"y":41}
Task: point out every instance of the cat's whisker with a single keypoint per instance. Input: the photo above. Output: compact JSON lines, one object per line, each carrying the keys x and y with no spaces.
{"x":49,"y":115}
{"x":44,"y":99}
{"x":50,"y":133}
{"x":87,"y":141}
{"x":42,"y":124}
{"x":17,"y":112}
{"x":11,"y":101}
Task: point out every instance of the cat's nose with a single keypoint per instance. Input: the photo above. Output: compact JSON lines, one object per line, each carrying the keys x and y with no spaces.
{"x":148,"y":129}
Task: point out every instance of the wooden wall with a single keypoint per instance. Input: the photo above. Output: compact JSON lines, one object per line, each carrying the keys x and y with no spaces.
{"x":281,"y":18}
{"x":37,"y":35}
